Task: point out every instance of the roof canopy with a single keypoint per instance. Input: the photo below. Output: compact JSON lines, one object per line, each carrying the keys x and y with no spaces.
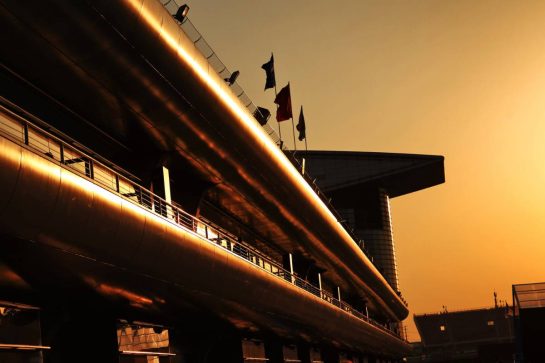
{"x":352,"y":172}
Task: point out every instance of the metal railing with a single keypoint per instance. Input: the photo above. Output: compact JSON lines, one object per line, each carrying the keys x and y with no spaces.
{"x":221,"y":69}
{"x":44,"y":143}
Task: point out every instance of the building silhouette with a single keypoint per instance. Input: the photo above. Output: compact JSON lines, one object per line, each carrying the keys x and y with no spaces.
{"x":148,"y":217}
{"x":474,"y":335}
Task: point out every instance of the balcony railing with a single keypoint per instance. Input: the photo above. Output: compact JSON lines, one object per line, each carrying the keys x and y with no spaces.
{"x":44,"y":143}
{"x":216,"y":63}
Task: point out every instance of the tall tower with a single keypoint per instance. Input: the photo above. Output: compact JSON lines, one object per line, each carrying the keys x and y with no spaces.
{"x":373,"y":225}
{"x":360,"y":185}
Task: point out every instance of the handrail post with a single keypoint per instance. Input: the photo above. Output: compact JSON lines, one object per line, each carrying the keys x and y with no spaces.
{"x":291,"y":269}
{"x":61,"y":152}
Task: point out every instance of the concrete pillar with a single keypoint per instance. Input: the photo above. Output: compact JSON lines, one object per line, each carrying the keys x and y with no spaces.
{"x":20,"y":326}
{"x":207,"y":342}
{"x":320,"y":284}
{"x":81,"y":336}
{"x":330,"y":355}
{"x":303,"y":353}
{"x":273,"y":351}
{"x":290,"y":353}
{"x":253,"y":350}
{"x":315,"y":355}
{"x":291,"y":269}
{"x":378,"y":236}
{"x":166,"y":185}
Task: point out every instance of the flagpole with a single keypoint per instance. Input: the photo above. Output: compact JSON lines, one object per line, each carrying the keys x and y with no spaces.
{"x":278,"y":122}
{"x":293,"y":127}
{"x":276,"y":94}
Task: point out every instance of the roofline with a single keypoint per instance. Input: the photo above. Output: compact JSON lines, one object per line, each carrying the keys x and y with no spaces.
{"x":425,"y":161}
{"x":459,"y":311}
{"x":373,"y":153}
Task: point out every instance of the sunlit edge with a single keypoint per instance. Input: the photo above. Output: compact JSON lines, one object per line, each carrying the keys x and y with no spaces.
{"x":216,"y":85}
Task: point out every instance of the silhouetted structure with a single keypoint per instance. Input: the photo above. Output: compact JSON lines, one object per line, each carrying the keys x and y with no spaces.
{"x":478,"y":335}
{"x":360,"y":186}
{"x":147,"y":216}
{"x":529,"y":315}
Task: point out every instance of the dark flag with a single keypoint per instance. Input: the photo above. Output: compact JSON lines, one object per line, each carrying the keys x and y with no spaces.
{"x":283,"y":100}
{"x":262,"y":115}
{"x":269,"y":70}
{"x":301,"y":126}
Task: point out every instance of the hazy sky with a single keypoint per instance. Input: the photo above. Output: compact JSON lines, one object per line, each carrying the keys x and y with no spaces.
{"x":463,"y":79}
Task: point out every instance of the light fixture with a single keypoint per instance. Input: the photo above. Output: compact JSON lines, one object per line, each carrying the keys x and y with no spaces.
{"x":233,"y":78}
{"x":181,"y":14}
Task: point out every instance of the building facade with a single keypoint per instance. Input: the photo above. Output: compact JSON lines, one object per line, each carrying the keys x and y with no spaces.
{"x":146,"y":214}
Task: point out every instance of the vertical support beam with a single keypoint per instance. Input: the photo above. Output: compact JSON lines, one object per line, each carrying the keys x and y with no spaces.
{"x":166,"y":184}
{"x":25,"y":133}
{"x":91,"y":171}
{"x":320,"y":285}
{"x":339,"y":293}
{"x":168,"y":197}
{"x":117,"y":183}
{"x":291,"y":269}
{"x":85,"y":336}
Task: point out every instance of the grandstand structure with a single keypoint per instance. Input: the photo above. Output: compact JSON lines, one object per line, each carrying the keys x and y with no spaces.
{"x":147,"y":216}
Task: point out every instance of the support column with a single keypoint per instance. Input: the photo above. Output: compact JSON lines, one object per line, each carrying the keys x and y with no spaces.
{"x":81,"y":336}
{"x":253,"y":350}
{"x":166,"y":185}
{"x":330,"y":355}
{"x":291,"y":269}
{"x":168,"y":196}
{"x":290,"y":353}
{"x":303,"y":353}
{"x":320,"y":284}
{"x":273,"y":351}
{"x":315,"y":355}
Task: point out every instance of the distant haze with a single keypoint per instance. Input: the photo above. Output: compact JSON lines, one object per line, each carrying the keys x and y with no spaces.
{"x":463,"y":79}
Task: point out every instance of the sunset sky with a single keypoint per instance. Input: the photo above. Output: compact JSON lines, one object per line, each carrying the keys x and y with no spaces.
{"x":463,"y":79}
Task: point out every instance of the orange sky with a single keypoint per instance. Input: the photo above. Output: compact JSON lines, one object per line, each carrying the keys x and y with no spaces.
{"x":463,"y":79}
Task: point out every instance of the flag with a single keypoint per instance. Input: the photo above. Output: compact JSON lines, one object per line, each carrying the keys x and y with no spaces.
{"x":301,"y":126}
{"x":283,"y":100}
{"x":262,"y":115}
{"x":269,"y":70}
